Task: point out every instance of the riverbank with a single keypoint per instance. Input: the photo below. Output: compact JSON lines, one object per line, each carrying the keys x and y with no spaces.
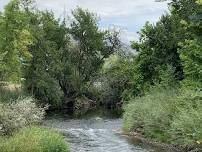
{"x":99,"y":111}
{"x":170,"y":116}
{"x":20,"y":129}
{"x":34,"y":139}
{"x":137,"y":137}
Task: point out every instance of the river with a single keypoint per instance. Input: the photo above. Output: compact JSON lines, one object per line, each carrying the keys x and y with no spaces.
{"x":96,"y":132}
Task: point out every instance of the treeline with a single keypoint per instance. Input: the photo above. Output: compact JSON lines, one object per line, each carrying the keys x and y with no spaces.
{"x":60,"y":61}
{"x":165,"y":97}
{"x":55,"y":60}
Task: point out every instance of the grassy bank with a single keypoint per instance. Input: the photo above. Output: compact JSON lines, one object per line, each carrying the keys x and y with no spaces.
{"x":17,"y":113}
{"x":34,"y":139}
{"x":166,"y":115}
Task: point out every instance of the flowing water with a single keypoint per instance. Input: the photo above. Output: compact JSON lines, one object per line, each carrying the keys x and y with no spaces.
{"x":96,"y":133}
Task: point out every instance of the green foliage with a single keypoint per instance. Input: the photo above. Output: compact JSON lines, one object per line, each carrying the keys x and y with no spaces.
{"x":189,"y":13}
{"x":85,"y":57}
{"x":55,"y":61}
{"x":34,"y":139}
{"x":168,"y":52}
{"x":166,"y":115}
{"x":186,"y":125}
{"x":191,"y":56}
{"x":117,"y":72}
{"x":167,"y":77}
{"x":15,"y":38}
{"x":40,"y":72}
{"x":10,"y":92}
{"x":152,"y":113}
{"x":157,"y":48}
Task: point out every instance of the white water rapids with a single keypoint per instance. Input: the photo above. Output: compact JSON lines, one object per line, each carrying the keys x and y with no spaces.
{"x":96,"y":135}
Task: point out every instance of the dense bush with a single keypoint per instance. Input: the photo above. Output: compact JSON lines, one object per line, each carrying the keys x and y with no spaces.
{"x":186,"y":126}
{"x":18,"y":114}
{"x":166,"y":115}
{"x":191,"y":55}
{"x":115,"y":77}
{"x":151,"y":112}
{"x":34,"y":140}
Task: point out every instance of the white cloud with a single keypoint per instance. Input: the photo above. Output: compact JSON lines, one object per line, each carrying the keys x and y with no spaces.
{"x":128,"y":36}
{"x":3,"y":3}
{"x":113,"y":8}
{"x":106,"y":8}
{"x":129,"y":14}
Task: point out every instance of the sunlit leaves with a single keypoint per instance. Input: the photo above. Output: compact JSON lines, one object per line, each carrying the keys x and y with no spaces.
{"x":191,"y":55}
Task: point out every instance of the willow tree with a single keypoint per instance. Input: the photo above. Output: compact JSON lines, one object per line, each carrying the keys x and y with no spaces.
{"x":89,"y":47}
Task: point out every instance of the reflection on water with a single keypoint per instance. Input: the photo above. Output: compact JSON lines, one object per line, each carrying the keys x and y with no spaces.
{"x":98,"y":132}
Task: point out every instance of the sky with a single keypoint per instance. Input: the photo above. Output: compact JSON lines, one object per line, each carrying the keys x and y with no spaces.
{"x":129,"y":15}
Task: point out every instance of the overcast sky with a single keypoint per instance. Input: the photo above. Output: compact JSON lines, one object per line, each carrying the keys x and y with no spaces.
{"x":130,"y":15}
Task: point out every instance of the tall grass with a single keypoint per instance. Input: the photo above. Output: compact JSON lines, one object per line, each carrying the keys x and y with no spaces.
{"x":186,"y":126}
{"x":34,"y":139}
{"x":8,"y":93}
{"x":167,"y":115}
{"x":151,"y":112}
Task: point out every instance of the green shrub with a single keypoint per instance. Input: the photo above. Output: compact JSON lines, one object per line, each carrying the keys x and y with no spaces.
{"x":34,"y":140}
{"x":93,"y":91}
{"x":151,"y":112}
{"x":18,"y":114}
{"x":167,"y":115}
{"x":115,"y":77}
{"x":191,"y":56}
{"x":186,"y":126}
